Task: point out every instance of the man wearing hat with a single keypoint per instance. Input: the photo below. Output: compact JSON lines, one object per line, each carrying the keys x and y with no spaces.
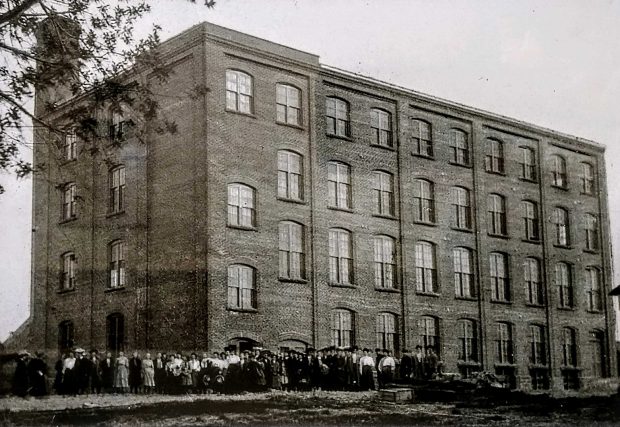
{"x":20,"y":379}
{"x":37,"y":372}
{"x":82,"y":371}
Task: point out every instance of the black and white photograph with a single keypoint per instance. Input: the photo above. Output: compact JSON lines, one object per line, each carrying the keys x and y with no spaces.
{"x":309,"y":212}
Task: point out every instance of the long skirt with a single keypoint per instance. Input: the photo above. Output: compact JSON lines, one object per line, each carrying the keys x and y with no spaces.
{"x":148,"y":375}
{"x":121,"y":377}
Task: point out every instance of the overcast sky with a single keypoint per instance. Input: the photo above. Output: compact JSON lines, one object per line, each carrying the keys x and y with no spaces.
{"x":551,"y":63}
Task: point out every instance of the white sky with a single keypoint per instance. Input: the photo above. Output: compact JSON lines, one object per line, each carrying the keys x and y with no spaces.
{"x":552,"y":63}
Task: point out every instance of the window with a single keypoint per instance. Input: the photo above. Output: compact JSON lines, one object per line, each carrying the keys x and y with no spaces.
{"x":118,"y":126}
{"x":460,"y":147}
{"x":343,"y":328}
{"x":387,"y":337}
{"x":537,"y":345}
{"x":115,"y":332}
{"x":428,"y":329}
{"x":494,"y":160}
{"x":66,"y":338}
{"x":116,"y":180}
{"x":385,"y":262}
{"x":292,"y":260}
{"x":117,"y":264}
{"x":425,"y":267}
{"x":564,"y":282}
{"x":241,"y":287}
{"x":422,"y":138}
{"x":339,"y":185}
{"x":239,"y":92}
{"x":69,"y":205}
{"x":468,"y":340}
{"x":381,"y":124}
{"x":561,"y":225}
{"x":533,"y":286}
{"x":70,"y":145}
{"x":288,"y":105}
{"x":496,"y":206}
{"x":337,"y":112}
{"x":528,"y":164}
{"x":498,"y":269}
{"x":530,"y":220}
{"x":505,"y":352}
{"x":340,"y":257}
{"x":384,"y":193}
{"x":463,"y":273}
{"x":290,"y":176}
{"x":461,"y":204}
{"x":241,"y":212}
{"x":591,"y":228}
{"x":569,"y":347}
{"x":69,"y":267}
{"x":558,"y":171}
{"x":593,"y":287}
{"x":598,"y":352}
{"x":423,"y":201}
{"x":586,"y":178}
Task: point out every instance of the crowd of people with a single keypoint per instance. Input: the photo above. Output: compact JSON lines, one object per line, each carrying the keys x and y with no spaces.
{"x":77,"y":372}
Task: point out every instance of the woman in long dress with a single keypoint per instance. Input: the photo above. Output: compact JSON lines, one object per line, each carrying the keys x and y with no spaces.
{"x":148,"y":374}
{"x":121,"y":373}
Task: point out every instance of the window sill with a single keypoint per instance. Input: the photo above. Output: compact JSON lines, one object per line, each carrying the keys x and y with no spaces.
{"x":240,"y":113}
{"x":462,"y":165}
{"x":426,"y":223}
{"x":392,"y":217}
{"x":291,"y":125}
{"x":67,"y":220}
{"x":117,"y":289}
{"x":113,"y":214}
{"x":388,"y":290}
{"x":428,"y":294}
{"x":498,"y":236}
{"x":343,"y":137}
{"x":594,"y":311}
{"x":496,"y":301}
{"x":242,"y":310}
{"x":465,"y":298}
{"x":291,"y":280}
{"x":297,"y":201}
{"x":555,"y":245}
{"x":241,"y":227}
{"x":505,"y":365}
{"x":66,"y":162}
{"x":65,"y":291}
{"x":336,"y":208}
{"x":581,"y":193}
{"x":463,"y":230}
{"x":531,"y":181}
{"x":570,"y":368}
{"x":468,"y":363}
{"x":557,"y":187}
{"x":538,"y":366}
{"x":566,"y":308}
{"x":342,"y":285}
{"x":383,"y":147}
{"x":533,"y":305}
{"x":498,"y":173}
{"x":591,"y":251}
{"x":532,"y":241}
{"x":423,"y":156}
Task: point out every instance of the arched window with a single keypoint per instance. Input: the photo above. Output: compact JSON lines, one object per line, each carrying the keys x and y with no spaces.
{"x":383,"y":189}
{"x":381,"y":124}
{"x":533,"y":285}
{"x":494,"y":160}
{"x":70,"y":140}
{"x":528,"y":163}
{"x":425,"y":267}
{"x":559,"y":177}
{"x":292,"y":258}
{"x":587,"y":178}
{"x":561,"y":226}
{"x":463,"y":273}
{"x":118,"y":125}
{"x":116,"y":182}
{"x":343,"y":328}
{"x":505,"y":347}
{"x":339,"y":185}
{"x":241,"y":211}
{"x":530,"y":220}
{"x":496,"y":222}
{"x":241,"y":287}
{"x":288,"y":104}
{"x":115,"y":332}
{"x":564,"y":282}
{"x":340,"y":256}
{"x":428,"y":333}
{"x":290,"y":175}
{"x":387,"y":331}
{"x":591,"y":229}
{"x":116,"y":269}
{"x":461,"y":207}
{"x":498,"y":271}
{"x":598,"y":350}
{"x":65,"y":335}
{"x":385,"y":262}
{"x":538,"y":347}
{"x":337,"y":115}
{"x":593,"y":288}
{"x":239,"y":92}
{"x":569,"y":347}
{"x":423,"y":201}
{"x":69,"y":205}
{"x":422,"y":138}
{"x":460,"y":147}
{"x":68,"y":273}
{"x":467,"y":340}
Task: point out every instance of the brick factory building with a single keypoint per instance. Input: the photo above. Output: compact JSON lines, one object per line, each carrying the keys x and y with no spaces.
{"x":300,"y":205}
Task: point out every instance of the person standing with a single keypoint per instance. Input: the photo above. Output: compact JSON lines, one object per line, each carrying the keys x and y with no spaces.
{"x":58,"y":377}
{"x":386,"y":369}
{"x":121,"y":373}
{"x":418,"y":364}
{"x":37,"y":372}
{"x":135,"y":373}
{"x":95,"y":372}
{"x":20,"y":378}
{"x":82,"y":372}
{"x":194,"y":367}
{"x":159,"y":372}
{"x":106,"y":368}
{"x":430,"y":363}
{"x":367,"y":367}
{"x":148,"y":374}
{"x":69,"y":380}
{"x":406,"y":367}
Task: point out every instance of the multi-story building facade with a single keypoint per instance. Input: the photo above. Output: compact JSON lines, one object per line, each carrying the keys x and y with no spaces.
{"x":299,"y":205}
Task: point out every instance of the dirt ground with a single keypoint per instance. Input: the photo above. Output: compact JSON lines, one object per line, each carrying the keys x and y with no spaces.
{"x":280,"y":408}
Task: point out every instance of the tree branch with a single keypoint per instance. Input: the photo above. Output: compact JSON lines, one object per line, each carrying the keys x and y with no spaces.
{"x":11,"y":101}
{"x":17,"y":11}
{"x":25,"y":54}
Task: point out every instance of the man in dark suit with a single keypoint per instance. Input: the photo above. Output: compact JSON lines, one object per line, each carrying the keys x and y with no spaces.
{"x":406,"y":367}
{"x":106,"y":368}
{"x":135,"y":373}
